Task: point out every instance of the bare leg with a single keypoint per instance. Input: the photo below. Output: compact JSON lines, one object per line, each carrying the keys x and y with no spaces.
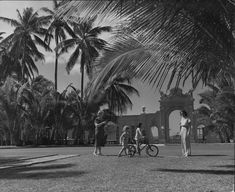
{"x":95,"y":151}
{"x":99,"y":151}
{"x":122,"y":149}
{"x":183,"y":141}
{"x":188,"y":146}
{"x":138,"y":146}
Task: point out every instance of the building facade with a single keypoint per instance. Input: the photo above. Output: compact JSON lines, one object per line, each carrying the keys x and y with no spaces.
{"x":157,"y":125}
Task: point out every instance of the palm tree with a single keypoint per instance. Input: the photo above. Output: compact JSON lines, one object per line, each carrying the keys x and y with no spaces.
{"x":60,"y":115}
{"x":57,"y":29}
{"x":115,"y":92}
{"x":219,"y":107}
{"x":87,"y":46}
{"x":21,"y":44}
{"x":180,"y":39}
{"x":35,"y":98}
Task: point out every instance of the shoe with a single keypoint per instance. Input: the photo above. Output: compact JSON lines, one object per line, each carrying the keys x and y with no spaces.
{"x":95,"y":154}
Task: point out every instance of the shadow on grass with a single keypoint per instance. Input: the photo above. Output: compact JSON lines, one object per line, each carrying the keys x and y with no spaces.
{"x":209,"y":155}
{"x":200,"y":171}
{"x":40,"y":172}
{"x":224,"y":166}
{"x":4,"y":160}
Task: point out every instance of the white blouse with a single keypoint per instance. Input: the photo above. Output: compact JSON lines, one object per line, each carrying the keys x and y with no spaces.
{"x":184,"y":122}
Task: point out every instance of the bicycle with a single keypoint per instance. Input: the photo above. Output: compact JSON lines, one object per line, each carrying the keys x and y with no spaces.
{"x":150,"y":149}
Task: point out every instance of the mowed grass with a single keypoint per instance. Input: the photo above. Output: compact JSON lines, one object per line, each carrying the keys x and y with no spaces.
{"x":210,"y":169}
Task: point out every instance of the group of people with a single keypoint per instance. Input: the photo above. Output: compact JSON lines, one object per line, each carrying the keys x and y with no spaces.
{"x":100,"y":137}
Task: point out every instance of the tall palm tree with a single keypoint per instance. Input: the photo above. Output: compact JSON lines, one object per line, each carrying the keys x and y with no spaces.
{"x":87,"y":46}
{"x":21,"y":44}
{"x":180,"y":39}
{"x":57,"y":30}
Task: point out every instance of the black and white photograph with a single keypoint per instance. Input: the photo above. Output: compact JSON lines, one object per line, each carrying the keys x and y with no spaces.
{"x":117,"y":95}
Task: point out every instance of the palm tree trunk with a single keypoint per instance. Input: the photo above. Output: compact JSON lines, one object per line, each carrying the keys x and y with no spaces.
{"x":82,"y":79}
{"x":56,"y":69}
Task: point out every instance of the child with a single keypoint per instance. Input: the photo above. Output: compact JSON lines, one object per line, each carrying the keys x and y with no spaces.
{"x":124,"y":138}
{"x":138,"y":136}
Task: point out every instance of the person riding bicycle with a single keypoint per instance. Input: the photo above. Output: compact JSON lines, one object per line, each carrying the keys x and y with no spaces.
{"x":138,"y":137}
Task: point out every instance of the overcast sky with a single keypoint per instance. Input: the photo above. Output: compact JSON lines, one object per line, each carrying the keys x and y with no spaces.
{"x":149,"y":97}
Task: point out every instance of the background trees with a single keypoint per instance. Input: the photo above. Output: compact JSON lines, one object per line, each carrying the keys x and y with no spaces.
{"x":87,"y":46}
{"x":219,"y":106}
{"x":160,"y":42}
{"x":57,"y":30}
{"x":21,"y":44}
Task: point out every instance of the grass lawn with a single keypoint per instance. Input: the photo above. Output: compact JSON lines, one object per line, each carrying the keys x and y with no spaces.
{"x":210,"y":169}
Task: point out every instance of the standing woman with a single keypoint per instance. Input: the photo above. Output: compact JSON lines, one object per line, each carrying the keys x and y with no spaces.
{"x":185,"y":125}
{"x":99,"y":132}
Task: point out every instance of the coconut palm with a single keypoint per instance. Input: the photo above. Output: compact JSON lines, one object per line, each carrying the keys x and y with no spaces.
{"x":21,"y":44}
{"x":61,"y":116}
{"x":87,"y":46}
{"x":35,"y":98}
{"x":219,"y":106}
{"x":115,"y":92}
{"x":57,"y":30}
{"x":172,"y":39}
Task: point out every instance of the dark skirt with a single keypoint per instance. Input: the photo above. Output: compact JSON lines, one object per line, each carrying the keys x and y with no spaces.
{"x":100,"y":137}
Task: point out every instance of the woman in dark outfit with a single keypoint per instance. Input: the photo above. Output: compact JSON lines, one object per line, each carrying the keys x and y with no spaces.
{"x":99,"y":132}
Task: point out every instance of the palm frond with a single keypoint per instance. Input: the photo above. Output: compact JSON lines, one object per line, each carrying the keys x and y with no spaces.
{"x":198,"y":33}
{"x":73,"y":59}
{"x":12,"y":22}
{"x":42,"y":43}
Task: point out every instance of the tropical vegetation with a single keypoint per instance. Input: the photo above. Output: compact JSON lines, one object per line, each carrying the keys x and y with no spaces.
{"x":219,"y":107}
{"x":158,"y":42}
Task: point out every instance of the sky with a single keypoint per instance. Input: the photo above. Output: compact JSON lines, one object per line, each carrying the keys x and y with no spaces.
{"x":149,"y":97}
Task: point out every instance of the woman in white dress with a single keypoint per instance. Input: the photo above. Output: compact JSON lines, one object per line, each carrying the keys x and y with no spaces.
{"x":185,"y":126}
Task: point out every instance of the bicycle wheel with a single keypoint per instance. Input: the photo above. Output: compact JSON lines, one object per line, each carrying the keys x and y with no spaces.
{"x":132,"y":150}
{"x":152,"y":150}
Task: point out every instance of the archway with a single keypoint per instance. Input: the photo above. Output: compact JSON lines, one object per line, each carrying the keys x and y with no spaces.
{"x":201,"y":133}
{"x":154,"y":131}
{"x":174,"y":129}
{"x":175,"y":100}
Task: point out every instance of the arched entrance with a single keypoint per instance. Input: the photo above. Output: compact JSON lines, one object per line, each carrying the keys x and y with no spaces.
{"x":175,"y":100}
{"x":174,"y":129}
{"x":201,"y":133}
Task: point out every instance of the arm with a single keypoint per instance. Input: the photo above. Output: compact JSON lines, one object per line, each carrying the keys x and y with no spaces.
{"x":100,"y":124}
{"x":189,"y":127}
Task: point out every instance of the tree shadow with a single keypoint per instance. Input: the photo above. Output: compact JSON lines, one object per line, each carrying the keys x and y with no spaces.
{"x":200,"y":171}
{"x":209,"y":155}
{"x":224,"y":166}
{"x":10,"y":160}
{"x":40,"y":172}
{"x":19,"y":159}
